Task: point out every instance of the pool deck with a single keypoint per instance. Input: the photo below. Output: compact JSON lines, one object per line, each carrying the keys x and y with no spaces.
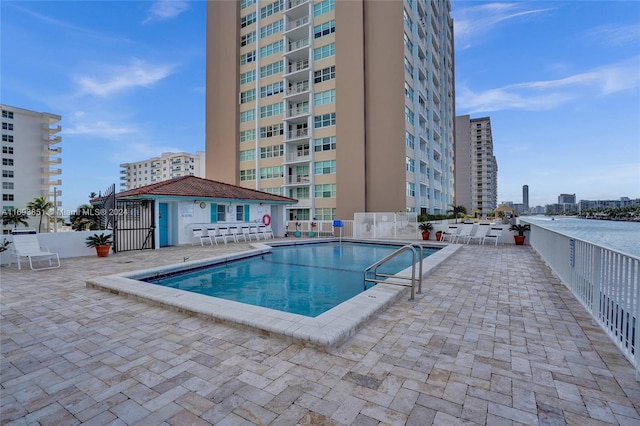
{"x":494,"y":339}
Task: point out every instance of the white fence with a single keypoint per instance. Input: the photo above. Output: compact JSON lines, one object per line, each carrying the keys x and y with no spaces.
{"x":385,"y":225}
{"x":604,"y":280}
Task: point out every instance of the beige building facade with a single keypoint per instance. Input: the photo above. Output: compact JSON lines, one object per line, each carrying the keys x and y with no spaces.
{"x":476,"y":167}
{"x":347,"y":106}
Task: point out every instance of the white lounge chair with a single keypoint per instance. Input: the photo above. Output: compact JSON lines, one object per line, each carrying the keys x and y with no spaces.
{"x":199,"y":235}
{"x":464,"y":232}
{"x":494,"y":233}
{"x":450,"y":234}
{"x":480,"y":233}
{"x":25,"y":244}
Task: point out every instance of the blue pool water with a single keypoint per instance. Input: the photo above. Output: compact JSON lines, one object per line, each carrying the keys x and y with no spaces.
{"x":302,"y":279}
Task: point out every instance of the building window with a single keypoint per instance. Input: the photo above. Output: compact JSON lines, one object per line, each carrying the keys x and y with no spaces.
{"x":271,"y":110}
{"x":273,"y":28}
{"x":408,"y":91}
{"x":408,"y":66}
{"x":324,"y":144}
{"x":408,"y":114}
{"x":323,"y":7}
{"x":324,"y":29}
{"x":324,"y":120}
{"x":7,"y":126}
{"x":248,"y":96}
{"x":325,"y":167}
{"x":408,"y":43}
{"x":271,"y":172}
{"x":7,"y":114}
{"x":409,"y":140}
{"x":271,"y":49}
{"x":247,"y":77}
{"x":248,"y":135}
{"x":248,"y":116}
{"x":272,"y":8}
{"x":7,"y":161}
{"x":248,"y":57}
{"x":325,"y":214}
{"x":272,"y":151}
{"x":407,"y":19}
{"x":240,"y":213}
{"x":277,"y":190}
{"x":269,"y":131}
{"x":7,"y":197}
{"x":301,"y":193}
{"x":246,"y":3}
{"x":410,"y":165}
{"x":327,"y":190}
{"x":271,"y":69}
{"x":248,"y":38}
{"x":324,"y":51}
{"x":248,"y":20}
{"x":7,"y":150}
{"x":325,"y":97}
{"x":247,"y":175}
{"x":7,"y":185}
{"x":271,"y":89}
{"x":411,"y":189}
{"x":248,"y":155}
{"x":221,"y":213}
{"x":7,"y":138}
{"x":324,"y":74}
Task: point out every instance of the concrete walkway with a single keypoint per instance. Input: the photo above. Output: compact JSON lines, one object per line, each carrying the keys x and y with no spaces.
{"x":494,"y":339}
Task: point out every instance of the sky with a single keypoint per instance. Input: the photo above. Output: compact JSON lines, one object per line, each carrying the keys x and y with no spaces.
{"x":560,"y":81}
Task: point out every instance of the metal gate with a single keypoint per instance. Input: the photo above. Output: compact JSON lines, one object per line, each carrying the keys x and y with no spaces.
{"x":133,"y":225}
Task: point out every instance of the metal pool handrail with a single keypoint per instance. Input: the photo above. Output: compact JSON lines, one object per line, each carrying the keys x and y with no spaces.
{"x":382,"y":278}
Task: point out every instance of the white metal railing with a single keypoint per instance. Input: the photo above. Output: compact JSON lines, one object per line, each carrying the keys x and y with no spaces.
{"x":298,"y":66}
{"x":293,"y":3}
{"x":301,"y":133}
{"x":295,"y":45}
{"x":293,"y":112}
{"x":298,"y":22}
{"x":298,"y":88}
{"x":604,"y":280}
{"x":298,"y":179}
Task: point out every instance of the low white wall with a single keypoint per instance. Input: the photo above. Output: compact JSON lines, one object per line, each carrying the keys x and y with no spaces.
{"x":66,"y":244}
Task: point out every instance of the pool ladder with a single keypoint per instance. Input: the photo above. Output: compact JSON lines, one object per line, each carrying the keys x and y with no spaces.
{"x":412,"y":281}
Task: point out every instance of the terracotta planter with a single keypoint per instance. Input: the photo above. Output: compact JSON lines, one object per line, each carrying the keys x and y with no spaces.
{"x":103,"y":251}
{"x":425,"y":235}
{"x":519,"y":239}
{"x":438,"y":236}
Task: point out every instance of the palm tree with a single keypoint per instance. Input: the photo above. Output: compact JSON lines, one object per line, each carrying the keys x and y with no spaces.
{"x":85,"y":218}
{"x":457,"y":210}
{"x":15,"y":216}
{"x":40,"y":206}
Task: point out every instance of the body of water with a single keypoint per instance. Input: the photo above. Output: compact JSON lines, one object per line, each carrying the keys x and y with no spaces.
{"x":621,"y":236}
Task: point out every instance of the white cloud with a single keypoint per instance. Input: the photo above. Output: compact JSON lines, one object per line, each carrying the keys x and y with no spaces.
{"x":472,"y":23}
{"x":163,"y":10}
{"x":549,"y":94}
{"x":136,"y":74}
{"x":615,"y":35}
{"x":80,"y":123}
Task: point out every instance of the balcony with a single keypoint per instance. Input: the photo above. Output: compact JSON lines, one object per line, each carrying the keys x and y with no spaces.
{"x":297,"y":112}
{"x":53,"y":151}
{"x":297,"y":68}
{"x":52,"y":160}
{"x":297,"y":180}
{"x":297,"y":29}
{"x":297,"y":134}
{"x":297,"y":44}
{"x":51,"y":130}
{"x":52,"y":141}
{"x":46,"y":184}
{"x":297,"y":91}
{"x":52,"y":172}
{"x":298,"y":157}
{"x":296,"y":9}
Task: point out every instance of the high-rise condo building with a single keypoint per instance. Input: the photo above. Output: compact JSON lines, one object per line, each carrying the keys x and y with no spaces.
{"x":525,"y":197}
{"x":347,"y":106}
{"x":30,"y":159}
{"x":476,"y":168}
{"x":168,"y":166}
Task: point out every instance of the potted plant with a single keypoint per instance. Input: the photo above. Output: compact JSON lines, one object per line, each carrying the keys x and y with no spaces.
{"x":298,"y":233}
{"x":312,"y":232}
{"x":520,"y":229}
{"x":426,"y":228}
{"x":438,"y":235}
{"x":102,"y":243}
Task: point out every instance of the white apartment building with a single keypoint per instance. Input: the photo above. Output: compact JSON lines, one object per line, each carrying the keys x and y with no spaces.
{"x":168,"y":166}
{"x":347,"y":106}
{"x":476,"y":168}
{"x":30,"y":158}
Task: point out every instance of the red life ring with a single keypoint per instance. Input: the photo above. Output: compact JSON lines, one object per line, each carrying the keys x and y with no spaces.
{"x":266,"y":219}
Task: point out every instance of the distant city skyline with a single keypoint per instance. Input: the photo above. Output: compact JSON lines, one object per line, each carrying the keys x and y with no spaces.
{"x":127,"y":78}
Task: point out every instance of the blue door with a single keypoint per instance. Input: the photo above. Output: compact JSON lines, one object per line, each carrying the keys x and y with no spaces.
{"x":163,"y":213}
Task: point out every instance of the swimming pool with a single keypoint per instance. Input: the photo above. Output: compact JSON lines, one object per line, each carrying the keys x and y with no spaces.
{"x":328,"y":329}
{"x":305,"y":279}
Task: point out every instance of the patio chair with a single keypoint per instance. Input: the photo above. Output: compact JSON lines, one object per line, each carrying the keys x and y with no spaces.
{"x":200,"y":236}
{"x":215,"y":234}
{"x":25,"y":244}
{"x":463,"y":233}
{"x":255,"y":232}
{"x":481,"y":232}
{"x":494,"y":233}
{"x":237,"y":234}
{"x":266,"y":232}
{"x":450,"y":234}
{"x":246,"y":233}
